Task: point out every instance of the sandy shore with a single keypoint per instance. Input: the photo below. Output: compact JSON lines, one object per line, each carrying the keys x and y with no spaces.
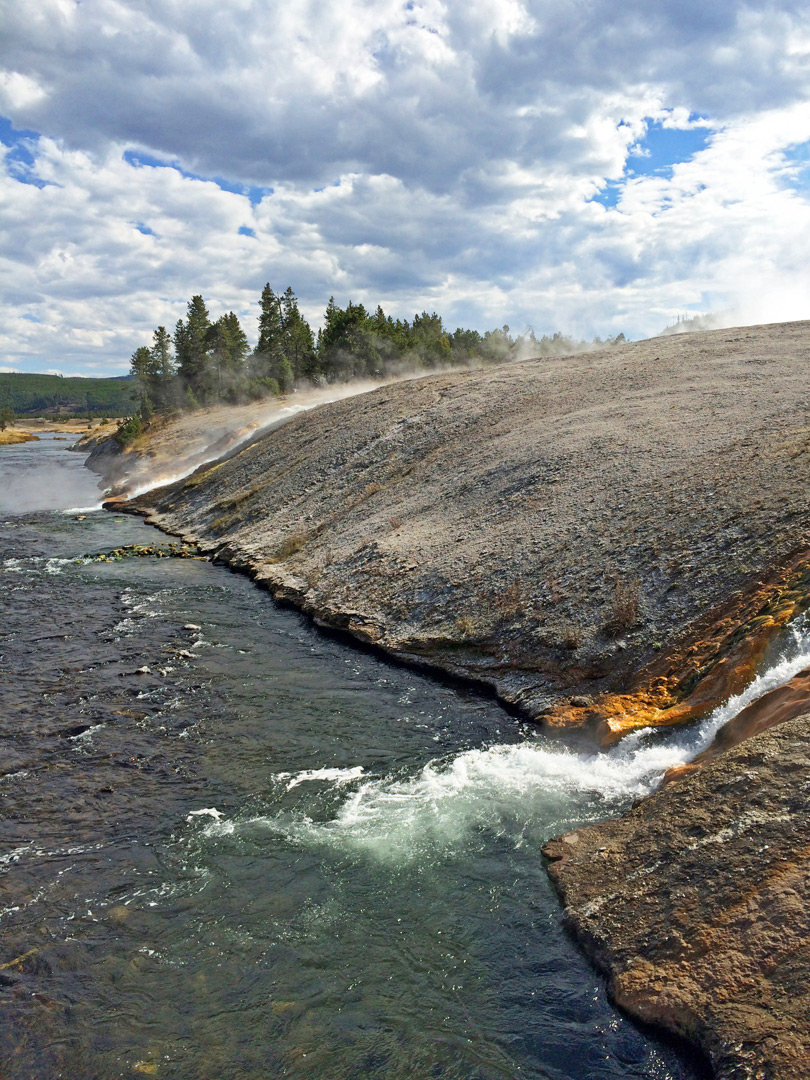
{"x":26,"y":430}
{"x":12,"y":436}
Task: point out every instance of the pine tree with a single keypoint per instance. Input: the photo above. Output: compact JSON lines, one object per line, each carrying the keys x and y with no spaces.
{"x":280,"y":338}
{"x":299,"y":343}
{"x":181,"y":350}
{"x":142,"y":366}
{"x":192,"y":347}
{"x":349,"y":347}
{"x":269,"y":343}
{"x":228,"y":347}
{"x":163,"y":371}
{"x":432,"y":343}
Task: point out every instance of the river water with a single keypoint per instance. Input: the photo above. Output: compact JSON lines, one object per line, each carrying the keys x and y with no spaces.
{"x":234,"y":847}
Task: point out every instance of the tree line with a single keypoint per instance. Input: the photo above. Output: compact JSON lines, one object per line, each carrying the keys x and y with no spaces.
{"x":205,"y":362}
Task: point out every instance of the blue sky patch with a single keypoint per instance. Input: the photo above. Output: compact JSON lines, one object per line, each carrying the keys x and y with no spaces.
{"x":32,"y":318}
{"x":20,"y":158}
{"x":663,"y":148}
{"x":656,"y":154}
{"x":609,"y":195}
{"x":17,"y":140}
{"x":139,"y":225}
{"x":137,"y":159}
{"x":798,"y":159}
{"x":245,"y":231}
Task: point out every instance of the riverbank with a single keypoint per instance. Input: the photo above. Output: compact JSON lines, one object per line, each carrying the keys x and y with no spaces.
{"x":29,"y":429}
{"x":11,"y":437}
{"x":329,"y":861}
{"x":609,"y":541}
{"x":568,"y":531}
{"x":695,"y":905}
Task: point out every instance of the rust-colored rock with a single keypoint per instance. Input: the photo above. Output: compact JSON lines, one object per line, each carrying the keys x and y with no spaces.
{"x":697,"y":905}
{"x":717,"y":660}
{"x":775,"y":707}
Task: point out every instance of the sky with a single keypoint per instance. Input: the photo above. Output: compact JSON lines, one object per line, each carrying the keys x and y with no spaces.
{"x":583,"y":166}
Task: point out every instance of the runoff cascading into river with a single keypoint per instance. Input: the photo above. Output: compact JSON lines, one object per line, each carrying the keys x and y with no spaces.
{"x":512,"y":790}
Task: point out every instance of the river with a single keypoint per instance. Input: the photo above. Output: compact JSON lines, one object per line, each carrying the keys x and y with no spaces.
{"x":235,"y":847}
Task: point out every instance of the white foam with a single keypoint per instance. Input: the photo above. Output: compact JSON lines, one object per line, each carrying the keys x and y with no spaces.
{"x":32,"y":565}
{"x":522,"y":792}
{"x":54,"y":566}
{"x":28,"y":850}
{"x":86,"y":736}
{"x":208,"y":811}
{"x":83,"y":509}
{"x":337,"y":776}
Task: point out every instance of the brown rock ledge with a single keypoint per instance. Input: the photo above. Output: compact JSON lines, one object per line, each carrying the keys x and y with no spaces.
{"x":696,"y":905}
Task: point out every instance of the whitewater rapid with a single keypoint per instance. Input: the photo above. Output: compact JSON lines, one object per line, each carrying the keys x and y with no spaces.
{"x":522,"y":792}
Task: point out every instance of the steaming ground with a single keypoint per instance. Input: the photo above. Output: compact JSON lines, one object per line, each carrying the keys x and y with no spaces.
{"x":486,"y":522}
{"x":173,"y":451}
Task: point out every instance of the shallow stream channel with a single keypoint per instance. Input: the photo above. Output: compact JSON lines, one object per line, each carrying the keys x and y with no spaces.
{"x":234,"y":847}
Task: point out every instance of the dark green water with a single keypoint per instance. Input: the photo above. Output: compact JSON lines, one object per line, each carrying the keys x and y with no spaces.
{"x":269,"y":854}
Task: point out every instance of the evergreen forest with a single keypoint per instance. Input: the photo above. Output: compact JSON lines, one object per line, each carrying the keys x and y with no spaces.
{"x":57,"y":395}
{"x":204,"y":362}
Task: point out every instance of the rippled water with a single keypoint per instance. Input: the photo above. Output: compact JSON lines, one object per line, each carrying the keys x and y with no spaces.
{"x":233,"y":847}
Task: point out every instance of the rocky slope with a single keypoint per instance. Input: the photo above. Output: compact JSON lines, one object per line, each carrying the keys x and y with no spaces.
{"x":175,"y":446}
{"x":579,"y":528}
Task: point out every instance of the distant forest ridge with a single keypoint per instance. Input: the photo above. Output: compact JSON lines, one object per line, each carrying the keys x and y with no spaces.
{"x":57,"y":395}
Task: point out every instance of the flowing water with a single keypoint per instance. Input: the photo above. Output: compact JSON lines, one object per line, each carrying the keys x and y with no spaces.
{"x":234,"y":847}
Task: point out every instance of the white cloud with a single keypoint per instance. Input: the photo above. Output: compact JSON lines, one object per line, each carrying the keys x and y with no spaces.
{"x":455,"y":149}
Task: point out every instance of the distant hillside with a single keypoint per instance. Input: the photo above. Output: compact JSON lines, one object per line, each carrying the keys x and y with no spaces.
{"x":57,"y":395}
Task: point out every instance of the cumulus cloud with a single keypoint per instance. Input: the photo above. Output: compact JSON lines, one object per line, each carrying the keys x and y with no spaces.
{"x":421,"y":154}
